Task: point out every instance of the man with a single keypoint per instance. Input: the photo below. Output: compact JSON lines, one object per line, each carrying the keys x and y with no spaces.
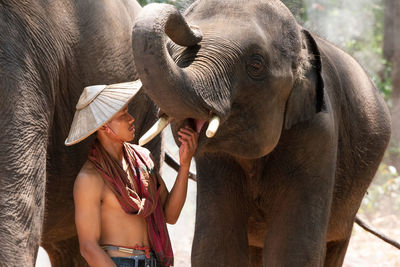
{"x":121,"y":204}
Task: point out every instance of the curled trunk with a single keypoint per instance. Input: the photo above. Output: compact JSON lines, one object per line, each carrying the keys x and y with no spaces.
{"x":167,"y":84}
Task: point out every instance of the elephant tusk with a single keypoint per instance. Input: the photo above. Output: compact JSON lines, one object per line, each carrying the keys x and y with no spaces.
{"x":213,"y":127}
{"x":154,"y":130}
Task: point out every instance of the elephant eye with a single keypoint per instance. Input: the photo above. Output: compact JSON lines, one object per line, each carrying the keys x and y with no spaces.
{"x":256,"y":68}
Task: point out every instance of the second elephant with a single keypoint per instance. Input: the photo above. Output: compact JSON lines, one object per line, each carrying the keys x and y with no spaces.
{"x":302,"y":133}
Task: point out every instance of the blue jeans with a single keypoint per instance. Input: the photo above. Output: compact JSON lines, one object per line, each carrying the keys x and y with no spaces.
{"x":135,"y":261}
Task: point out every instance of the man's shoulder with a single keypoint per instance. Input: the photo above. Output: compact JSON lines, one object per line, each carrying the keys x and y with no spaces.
{"x":88,"y":170}
{"x":88,"y":176}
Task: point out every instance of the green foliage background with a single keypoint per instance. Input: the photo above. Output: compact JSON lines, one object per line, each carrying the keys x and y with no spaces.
{"x":383,"y":196}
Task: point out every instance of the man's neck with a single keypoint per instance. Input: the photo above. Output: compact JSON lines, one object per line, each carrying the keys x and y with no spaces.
{"x":113,"y":147}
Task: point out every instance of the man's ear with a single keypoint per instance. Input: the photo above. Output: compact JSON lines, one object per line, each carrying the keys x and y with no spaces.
{"x":307,"y":95}
{"x":104,"y":128}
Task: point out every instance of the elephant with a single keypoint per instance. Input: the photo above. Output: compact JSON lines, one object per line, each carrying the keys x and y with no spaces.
{"x":49,"y":51}
{"x":302,"y":129}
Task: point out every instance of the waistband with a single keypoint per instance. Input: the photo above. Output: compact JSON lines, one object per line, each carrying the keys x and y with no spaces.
{"x":136,"y":251}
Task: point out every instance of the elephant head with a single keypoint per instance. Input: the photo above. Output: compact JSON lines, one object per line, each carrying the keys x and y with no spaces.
{"x":247,"y":62}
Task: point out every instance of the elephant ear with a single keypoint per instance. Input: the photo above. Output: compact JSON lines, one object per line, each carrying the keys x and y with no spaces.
{"x":307,"y":95}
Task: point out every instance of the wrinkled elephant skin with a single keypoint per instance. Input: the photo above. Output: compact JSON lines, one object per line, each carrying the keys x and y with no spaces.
{"x":49,"y":51}
{"x":302,"y":132}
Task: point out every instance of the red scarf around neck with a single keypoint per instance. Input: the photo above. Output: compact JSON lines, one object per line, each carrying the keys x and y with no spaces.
{"x":146,"y":201}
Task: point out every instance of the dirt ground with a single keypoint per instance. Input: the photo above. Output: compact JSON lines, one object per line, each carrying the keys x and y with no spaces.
{"x":367,"y":250}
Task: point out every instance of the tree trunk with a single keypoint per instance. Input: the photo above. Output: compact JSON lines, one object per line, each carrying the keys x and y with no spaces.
{"x":392,"y":54}
{"x":388,"y":38}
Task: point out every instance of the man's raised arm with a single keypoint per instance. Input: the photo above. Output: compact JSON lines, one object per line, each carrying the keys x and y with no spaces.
{"x":176,"y":198}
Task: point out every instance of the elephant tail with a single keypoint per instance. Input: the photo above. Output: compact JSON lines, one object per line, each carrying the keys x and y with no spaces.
{"x":368,"y":228}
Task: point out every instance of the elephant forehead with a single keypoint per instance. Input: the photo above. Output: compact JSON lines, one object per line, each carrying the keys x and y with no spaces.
{"x":88,"y":95}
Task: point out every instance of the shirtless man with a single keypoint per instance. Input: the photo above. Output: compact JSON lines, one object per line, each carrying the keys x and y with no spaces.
{"x":111,"y":231}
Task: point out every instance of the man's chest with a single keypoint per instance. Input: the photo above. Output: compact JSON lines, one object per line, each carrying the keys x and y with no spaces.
{"x":109,"y":197}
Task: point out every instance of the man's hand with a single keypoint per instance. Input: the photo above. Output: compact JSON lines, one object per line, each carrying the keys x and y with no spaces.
{"x":188,"y":137}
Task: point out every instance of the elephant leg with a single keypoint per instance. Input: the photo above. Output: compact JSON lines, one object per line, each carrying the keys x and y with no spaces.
{"x":298,"y":219}
{"x":296,"y":235}
{"x":220,"y":237}
{"x":255,"y":256}
{"x":335,"y":252}
{"x":300,"y":185}
{"x":22,"y":195}
{"x":65,"y":253}
{"x":21,"y":215}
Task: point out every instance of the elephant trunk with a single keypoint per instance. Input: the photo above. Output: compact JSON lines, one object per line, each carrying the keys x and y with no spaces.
{"x":168,"y":85}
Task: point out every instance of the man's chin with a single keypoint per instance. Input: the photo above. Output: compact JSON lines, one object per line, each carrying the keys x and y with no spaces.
{"x":130,"y":139}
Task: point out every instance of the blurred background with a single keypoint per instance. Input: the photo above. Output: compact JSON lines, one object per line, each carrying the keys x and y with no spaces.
{"x":369,"y":30}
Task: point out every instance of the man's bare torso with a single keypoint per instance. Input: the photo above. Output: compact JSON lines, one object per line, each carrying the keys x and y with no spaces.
{"x":118,"y":228}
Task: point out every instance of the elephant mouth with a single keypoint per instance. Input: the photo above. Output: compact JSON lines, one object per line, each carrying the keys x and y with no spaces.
{"x":197,"y":125}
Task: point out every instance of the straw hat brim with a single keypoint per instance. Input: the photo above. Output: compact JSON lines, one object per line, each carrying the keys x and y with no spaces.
{"x":98,"y":105}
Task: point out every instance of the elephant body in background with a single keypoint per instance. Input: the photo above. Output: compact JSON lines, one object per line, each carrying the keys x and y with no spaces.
{"x":49,"y":51}
{"x":302,"y":129}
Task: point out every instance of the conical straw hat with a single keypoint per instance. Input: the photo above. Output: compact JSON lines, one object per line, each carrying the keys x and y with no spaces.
{"x":97,"y":105}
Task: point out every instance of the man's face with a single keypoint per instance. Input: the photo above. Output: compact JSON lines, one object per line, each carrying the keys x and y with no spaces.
{"x":122,"y":125}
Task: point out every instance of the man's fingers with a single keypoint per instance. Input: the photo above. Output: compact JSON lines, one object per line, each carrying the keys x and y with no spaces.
{"x":190,"y":132}
{"x":188,"y":139}
{"x":183,"y":140}
{"x":192,"y":135}
{"x":190,"y":129}
{"x":184,"y":145}
{"x":187,"y":131}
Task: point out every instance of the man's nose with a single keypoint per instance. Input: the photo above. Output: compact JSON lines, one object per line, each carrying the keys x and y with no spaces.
{"x":131,"y":118}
